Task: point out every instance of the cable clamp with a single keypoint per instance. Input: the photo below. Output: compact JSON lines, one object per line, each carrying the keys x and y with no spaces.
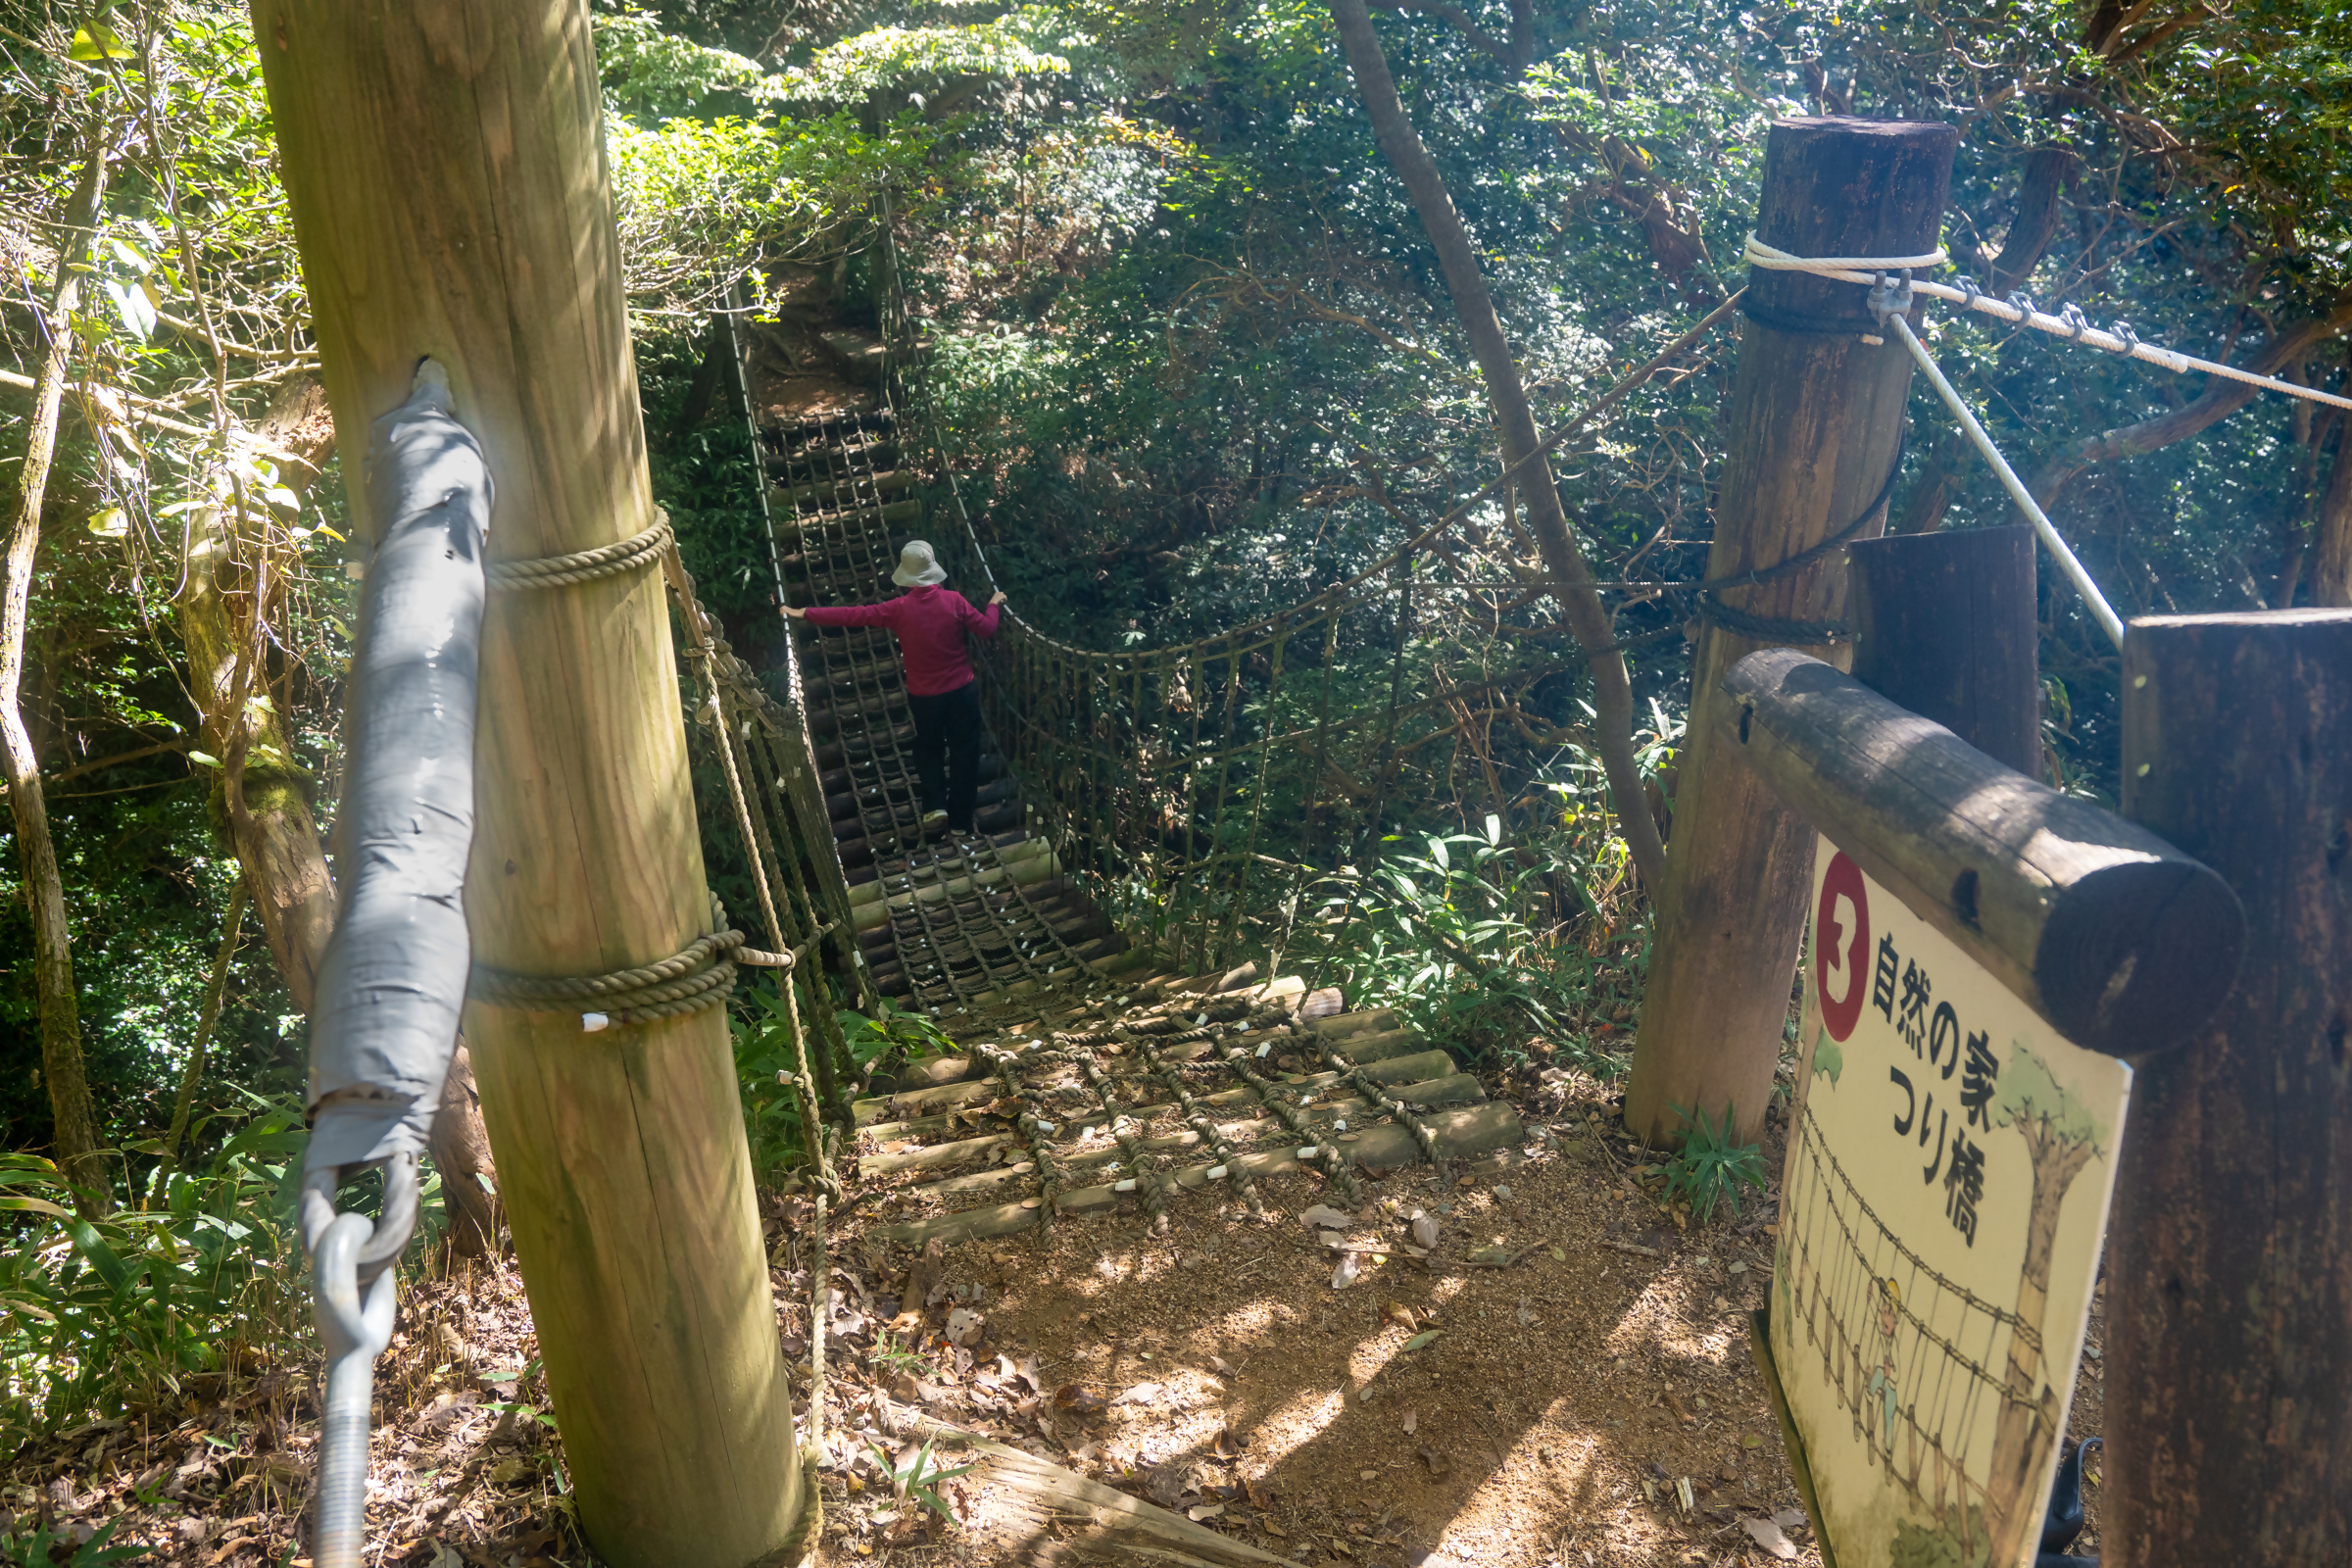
{"x":2023,"y":303}
{"x":2123,"y":333}
{"x":2077,"y":324}
{"x":1969,"y":292}
{"x":1887,"y":298}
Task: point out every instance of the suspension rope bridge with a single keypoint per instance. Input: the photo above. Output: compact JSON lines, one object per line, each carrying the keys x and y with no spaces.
{"x":1148,"y":819}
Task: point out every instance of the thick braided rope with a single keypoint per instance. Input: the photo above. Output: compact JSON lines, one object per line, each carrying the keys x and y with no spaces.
{"x":1837,"y":541}
{"x":1772,"y":628}
{"x":1284,"y":1104}
{"x":1206,"y":1125}
{"x":584,"y":566}
{"x":686,"y":982}
{"x":1035,"y":1131}
{"x":1357,"y":1079}
{"x":496,"y":985}
{"x":1149,"y":1183}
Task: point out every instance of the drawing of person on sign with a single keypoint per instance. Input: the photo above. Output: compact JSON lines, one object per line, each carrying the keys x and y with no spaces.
{"x":1881,"y":1376}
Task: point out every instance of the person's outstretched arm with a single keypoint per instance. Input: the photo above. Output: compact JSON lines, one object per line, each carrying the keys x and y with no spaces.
{"x":984,"y":621}
{"x":880,"y":615}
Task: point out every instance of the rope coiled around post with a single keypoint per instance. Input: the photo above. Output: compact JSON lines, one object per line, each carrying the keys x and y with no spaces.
{"x":688,"y":981}
{"x":584,"y":566}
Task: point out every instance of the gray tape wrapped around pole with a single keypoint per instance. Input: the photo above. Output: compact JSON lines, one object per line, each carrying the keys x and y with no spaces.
{"x":392,"y":984}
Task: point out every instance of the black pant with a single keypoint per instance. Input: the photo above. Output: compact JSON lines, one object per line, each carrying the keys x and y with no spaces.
{"x":947,"y":740}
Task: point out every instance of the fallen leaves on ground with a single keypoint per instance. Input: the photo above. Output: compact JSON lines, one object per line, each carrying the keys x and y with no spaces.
{"x":1768,"y":1534}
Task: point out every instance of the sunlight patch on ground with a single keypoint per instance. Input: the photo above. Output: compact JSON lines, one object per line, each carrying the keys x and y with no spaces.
{"x":1294,"y":1424}
{"x":1494,"y":1516}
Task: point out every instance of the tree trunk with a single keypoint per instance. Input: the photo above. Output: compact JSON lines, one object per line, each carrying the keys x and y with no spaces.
{"x":1572,"y":583}
{"x":77,"y":1122}
{"x":703,"y":388}
{"x":231,"y":588}
{"x":1814,"y":428}
{"x":183,"y":1104}
{"x":444,"y":163}
{"x":462,"y":1155}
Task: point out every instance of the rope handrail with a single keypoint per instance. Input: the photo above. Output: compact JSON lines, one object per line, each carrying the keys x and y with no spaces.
{"x":1324,"y":598}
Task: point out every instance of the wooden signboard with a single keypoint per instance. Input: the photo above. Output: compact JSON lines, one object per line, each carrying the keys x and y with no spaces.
{"x":1948,"y":1175}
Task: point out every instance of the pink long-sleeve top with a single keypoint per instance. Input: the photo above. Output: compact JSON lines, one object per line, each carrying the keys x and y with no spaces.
{"x":929,"y":623}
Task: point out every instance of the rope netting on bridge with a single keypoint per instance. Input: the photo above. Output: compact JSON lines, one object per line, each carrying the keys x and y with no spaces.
{"x":1208,"y":793}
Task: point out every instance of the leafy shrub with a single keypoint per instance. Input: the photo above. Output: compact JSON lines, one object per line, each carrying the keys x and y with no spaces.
{"x":1450,"y":939}
{"x":766,"y":1062}
{"x":129,"y":1308}
{"x":1710,"y":1168}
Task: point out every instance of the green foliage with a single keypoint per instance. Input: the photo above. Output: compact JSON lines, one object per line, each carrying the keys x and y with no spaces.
{"x":907,"y":58}
{"x":900,"y":1029}
{"x":918,"y":1479}
{"x":764,"y":1065}
{"x":890,"y":1353}
{"x":704,"y":203}
{"x":127,"y":1307}
{"x":651,"y":75}
{"x":1451,"y":939}
{"x":39,"y":1544}
{"x":1709,"y":1168}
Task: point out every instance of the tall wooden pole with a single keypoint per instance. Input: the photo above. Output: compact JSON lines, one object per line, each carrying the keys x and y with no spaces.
{"x":1815,"y":428}
{"x":2230,"y":1253}
{"x":1943,"y":625}
{"x":445,"y":164}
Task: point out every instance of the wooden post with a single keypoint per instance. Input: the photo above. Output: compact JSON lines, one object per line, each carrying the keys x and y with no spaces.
{"x":1943,"y":625}
{"x":444,"y":162}
{"x":2230,"y":1253}
{"x":1814,"y":432}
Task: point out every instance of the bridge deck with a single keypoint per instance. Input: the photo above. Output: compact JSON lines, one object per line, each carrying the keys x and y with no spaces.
{"x":1090,"y":1077}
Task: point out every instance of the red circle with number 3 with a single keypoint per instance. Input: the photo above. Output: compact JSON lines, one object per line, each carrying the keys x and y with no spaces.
{"x":1841,"y":946}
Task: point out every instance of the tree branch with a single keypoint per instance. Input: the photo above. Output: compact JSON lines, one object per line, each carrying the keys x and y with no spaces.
{"x":1572,"y":582}
{"x":2220,"y":399}
{"x":2047,"y":170}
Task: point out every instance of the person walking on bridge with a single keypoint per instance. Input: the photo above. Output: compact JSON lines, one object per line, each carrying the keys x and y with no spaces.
{"x":929,"y":621}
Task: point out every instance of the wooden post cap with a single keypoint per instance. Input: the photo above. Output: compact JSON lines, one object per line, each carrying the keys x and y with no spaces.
{"x":2125,"y":944}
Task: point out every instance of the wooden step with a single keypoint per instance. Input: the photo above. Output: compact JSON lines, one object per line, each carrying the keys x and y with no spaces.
{"x":844,"y":494}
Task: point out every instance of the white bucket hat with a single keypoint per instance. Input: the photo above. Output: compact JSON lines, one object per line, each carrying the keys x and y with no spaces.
{"x":918,"y":567}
